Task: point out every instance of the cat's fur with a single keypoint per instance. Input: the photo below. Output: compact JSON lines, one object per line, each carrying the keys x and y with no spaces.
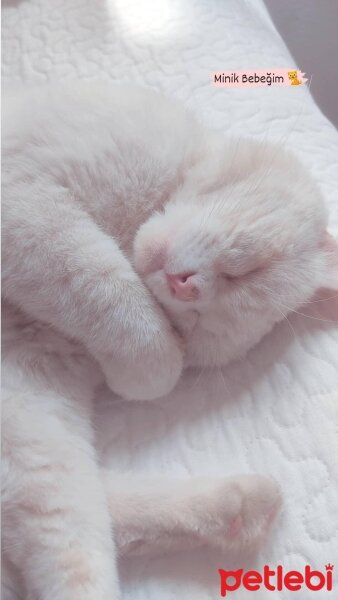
{"x":110,"y":194}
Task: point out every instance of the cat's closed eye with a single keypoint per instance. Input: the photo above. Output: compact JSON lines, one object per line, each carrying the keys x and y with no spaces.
{"x":229,"y":277}
{"x":240,"y":274}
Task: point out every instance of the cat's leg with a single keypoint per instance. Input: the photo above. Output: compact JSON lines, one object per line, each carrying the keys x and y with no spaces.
{"x":58,"y":266}
{"x":160,"y":515}
{"x":56,"y":522}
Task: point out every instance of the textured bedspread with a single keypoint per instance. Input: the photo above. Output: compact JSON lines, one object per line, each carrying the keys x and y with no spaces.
{"x":276,"y":411}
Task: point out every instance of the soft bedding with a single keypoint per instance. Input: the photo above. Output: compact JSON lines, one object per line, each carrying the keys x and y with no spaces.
{"x":276,"y":411}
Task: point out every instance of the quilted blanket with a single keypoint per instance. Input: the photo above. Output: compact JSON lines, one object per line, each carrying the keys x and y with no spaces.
{"x":276,"y":411}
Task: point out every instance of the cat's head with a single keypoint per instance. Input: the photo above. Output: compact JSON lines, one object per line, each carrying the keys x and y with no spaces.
{"x":236,"y":249}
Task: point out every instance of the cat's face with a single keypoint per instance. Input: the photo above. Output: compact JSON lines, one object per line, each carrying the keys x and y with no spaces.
{"x":292,"y":75}
{"x":229,"y":261}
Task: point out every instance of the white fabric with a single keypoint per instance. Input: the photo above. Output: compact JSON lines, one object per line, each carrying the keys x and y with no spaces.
{"x":275,"y":412}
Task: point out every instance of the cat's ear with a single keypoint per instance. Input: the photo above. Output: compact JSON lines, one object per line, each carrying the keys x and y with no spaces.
{"x":330,"y":248}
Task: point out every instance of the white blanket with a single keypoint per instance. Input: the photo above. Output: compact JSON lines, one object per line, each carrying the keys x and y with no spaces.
{"x":275,"y":412}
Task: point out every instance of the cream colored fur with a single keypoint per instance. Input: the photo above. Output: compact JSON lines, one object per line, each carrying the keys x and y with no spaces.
{"x":106,"y":191}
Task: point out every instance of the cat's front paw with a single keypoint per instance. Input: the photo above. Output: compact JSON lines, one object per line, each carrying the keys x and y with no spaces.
{"x":147,"y":374}
{"x":241,"y":512}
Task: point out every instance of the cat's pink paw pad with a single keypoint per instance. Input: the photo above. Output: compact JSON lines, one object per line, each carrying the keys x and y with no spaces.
{"x":260,"y":504}
{"x":249,"y":505}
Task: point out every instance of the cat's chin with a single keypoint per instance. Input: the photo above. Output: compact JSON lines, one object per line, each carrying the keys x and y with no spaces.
{"x":184,"y":322}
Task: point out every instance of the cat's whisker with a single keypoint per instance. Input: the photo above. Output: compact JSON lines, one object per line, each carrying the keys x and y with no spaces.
{"x":289,"y":322}
{"x":308,"y":302}
{"x":297,"y":312}
{"x":8,"y":546}
{"x":321,"y":299}
{"x":197,"y":379}
{"x":226,"y":387}
{"x":308,"y":316}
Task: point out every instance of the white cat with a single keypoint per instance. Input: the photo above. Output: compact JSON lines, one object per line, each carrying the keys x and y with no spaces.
{"x":134,"y":236}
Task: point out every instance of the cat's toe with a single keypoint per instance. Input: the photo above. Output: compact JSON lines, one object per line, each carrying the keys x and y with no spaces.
{"x":261,"y":501}
{"x":250,"y":507}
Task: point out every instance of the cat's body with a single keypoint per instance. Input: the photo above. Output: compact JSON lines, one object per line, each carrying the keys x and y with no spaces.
{"x":85,"y":168}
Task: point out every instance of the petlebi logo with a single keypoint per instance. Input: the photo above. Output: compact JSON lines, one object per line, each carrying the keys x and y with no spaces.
{"x":258,"y":78}
{"x":276,"y":579}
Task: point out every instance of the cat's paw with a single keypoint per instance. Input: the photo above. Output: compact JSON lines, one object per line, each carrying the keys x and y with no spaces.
{"x":240,"y":513}
{"x":152,"y":374}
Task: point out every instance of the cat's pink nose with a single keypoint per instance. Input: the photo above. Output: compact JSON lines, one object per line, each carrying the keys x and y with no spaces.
{"x":182,"y":285}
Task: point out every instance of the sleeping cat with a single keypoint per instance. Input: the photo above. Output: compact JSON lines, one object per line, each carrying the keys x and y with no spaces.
{"x":135,"y":243}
